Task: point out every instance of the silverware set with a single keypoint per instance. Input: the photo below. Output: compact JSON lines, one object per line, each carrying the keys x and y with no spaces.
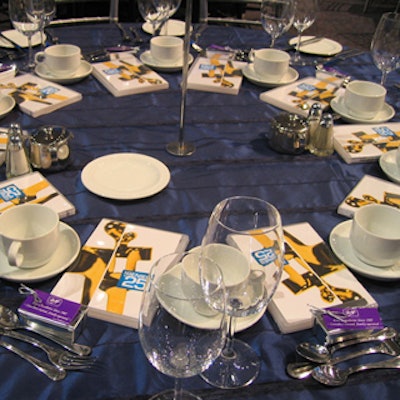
{"x":320,"y":361}
{"x":72,"y":356}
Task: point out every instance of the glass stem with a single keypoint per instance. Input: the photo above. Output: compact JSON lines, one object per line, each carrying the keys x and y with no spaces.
{"x":31,"y":62}
{"x":383,"y":77}
{"x":272,"y":42}
{"x":297,"y":52}
{"x":228,"y":350}
{"x":177,"y":389}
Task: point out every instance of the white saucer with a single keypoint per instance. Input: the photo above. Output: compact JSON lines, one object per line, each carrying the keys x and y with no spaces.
{"x":125,"y":176}
{"x":187,"y":314}
{"x":339,"y":239}
{"x":19,"y":38}
{"x":67,"y":251}
{"x":248,"y":71}
{"x":84,"y":70}
{"x":384,"y":115}
{"x":7,"y":103}
{"x":387,"y":161}
{"x":172,"y":27}
{"x":147,"y":59}
{"x":323,"y":47}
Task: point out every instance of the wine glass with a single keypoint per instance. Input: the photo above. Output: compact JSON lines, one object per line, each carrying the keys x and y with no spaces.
{"x":26,"y":17}
{"x":385,"y":44}
{"x":174,"y":5}
{"x":244,"y":237}
{"x":177,"y":333}
{"x":155,"y":12}
{"x":49,"y":13}
{"x":276,"y":17}
{"x":304,"y":16}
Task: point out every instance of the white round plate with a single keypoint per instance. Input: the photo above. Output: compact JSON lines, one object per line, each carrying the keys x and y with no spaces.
{"x":7,"y":103}
{"x":172,"y":27}
{"x":339,"y":239}
{"x":248,"y":71}
{"x":147,"y":59}
{"x":19,"y":38}
{"x":66,"y":253}
{"x":323,"y":47}
{"x":84,"y":70}
{"x":187,"y":314}
{"x":384,"y":115}
{"x":125,"y":176}
{"x":387,"y":161}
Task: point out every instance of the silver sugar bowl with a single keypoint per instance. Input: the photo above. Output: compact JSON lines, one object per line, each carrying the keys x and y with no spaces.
{"x":289,"y":134}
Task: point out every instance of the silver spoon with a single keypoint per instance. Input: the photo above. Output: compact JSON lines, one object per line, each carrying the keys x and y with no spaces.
{"x":9,"y":320}
{"x":331,"y":375}
{"x":321,"y":354}
{"x":302,"y":370}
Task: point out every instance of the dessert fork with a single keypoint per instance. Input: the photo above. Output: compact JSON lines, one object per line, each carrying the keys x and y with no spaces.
{"x":58,"y":357}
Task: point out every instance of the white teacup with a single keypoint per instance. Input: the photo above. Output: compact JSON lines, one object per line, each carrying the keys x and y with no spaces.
{"x":271,"y":64}
{"x":166,"y":49}
{"x":29,"y":235}
{"x":375,"y":234}
{"x":364,"y":99}
{"x":61,"y":60}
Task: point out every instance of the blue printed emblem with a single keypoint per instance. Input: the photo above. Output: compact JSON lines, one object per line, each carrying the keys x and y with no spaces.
{"x":264,"y":256}
{"x":11,"y":192}
{"x":132,"y":280}
{"x":384,"y":131}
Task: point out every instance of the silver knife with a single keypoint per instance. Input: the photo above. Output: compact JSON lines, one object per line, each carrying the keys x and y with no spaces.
{"x":303,"y":42}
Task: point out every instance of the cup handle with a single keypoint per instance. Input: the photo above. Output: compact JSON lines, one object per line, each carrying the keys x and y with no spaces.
{"x":40,"y":56}
{"x":14,"y":258}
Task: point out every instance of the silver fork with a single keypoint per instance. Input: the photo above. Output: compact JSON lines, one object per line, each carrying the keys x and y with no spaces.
{"x":59,"y":358}
{"x":54,"y":373}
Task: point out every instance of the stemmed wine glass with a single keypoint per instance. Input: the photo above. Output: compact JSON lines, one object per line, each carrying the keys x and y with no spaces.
{"x":155,"y":12}
{"x":49,"y":13}
{"x":244,"y":237}
{"x":180,"y":330}
{"x":26,"y":17}
{"x":305,"y":12}
{"x":276,"y":17}
{"x":385,"y":44}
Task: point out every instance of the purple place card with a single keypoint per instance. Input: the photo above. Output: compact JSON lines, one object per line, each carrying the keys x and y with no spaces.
{"x":352,"y":318}
{"x":53,"y":308}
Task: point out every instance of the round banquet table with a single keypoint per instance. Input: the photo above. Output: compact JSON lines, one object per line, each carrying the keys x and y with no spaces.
{"x":232,"y":158}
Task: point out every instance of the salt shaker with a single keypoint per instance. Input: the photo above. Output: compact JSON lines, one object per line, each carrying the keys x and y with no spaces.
{"x":17,"y":162}
{"x":321,"y":142}
{"x":313,"y":120}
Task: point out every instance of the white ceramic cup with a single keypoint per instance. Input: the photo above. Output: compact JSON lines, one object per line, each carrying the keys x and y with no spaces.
{"x":166,"y":49}
{"x":375,"y":234}
{"x":61,"y":60}
{"x":271,"y":64}
{"x":29,"y":235}
{"x":364,"y":99}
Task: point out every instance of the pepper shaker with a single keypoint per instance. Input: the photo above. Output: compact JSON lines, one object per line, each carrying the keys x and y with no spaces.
{"x":17,"y":162}
{"x":313,"y":120}
{"x":321,"y":142}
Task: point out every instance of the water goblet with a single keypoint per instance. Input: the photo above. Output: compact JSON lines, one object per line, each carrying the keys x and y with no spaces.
{"x":26,"y":17}
{"x":276,"y":17}
{"x":178,"y":338}
{"x":244,"y":237}
{"x":385,"y":44}
{"x":155,"y":12}
{"x":49,"y":13}
{"x":304,"y":16}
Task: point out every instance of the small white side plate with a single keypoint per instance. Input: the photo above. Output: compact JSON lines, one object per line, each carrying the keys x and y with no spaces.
{"x":248,"y":71}
{"x":323,"y":47}
{"x":147,"y":59}
{"x":387,"y":161}
{"x":172,"y":27}
{"x":84,"y":70}
{"x":19,"y":38}
{"x":339,"y":239}
{"x":125,"y":176}
{"x":66,"y":253}
{"x":384,"y":115}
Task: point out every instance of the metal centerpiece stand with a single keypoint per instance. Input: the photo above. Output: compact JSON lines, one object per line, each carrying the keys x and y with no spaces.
{"x":182,"y":148}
